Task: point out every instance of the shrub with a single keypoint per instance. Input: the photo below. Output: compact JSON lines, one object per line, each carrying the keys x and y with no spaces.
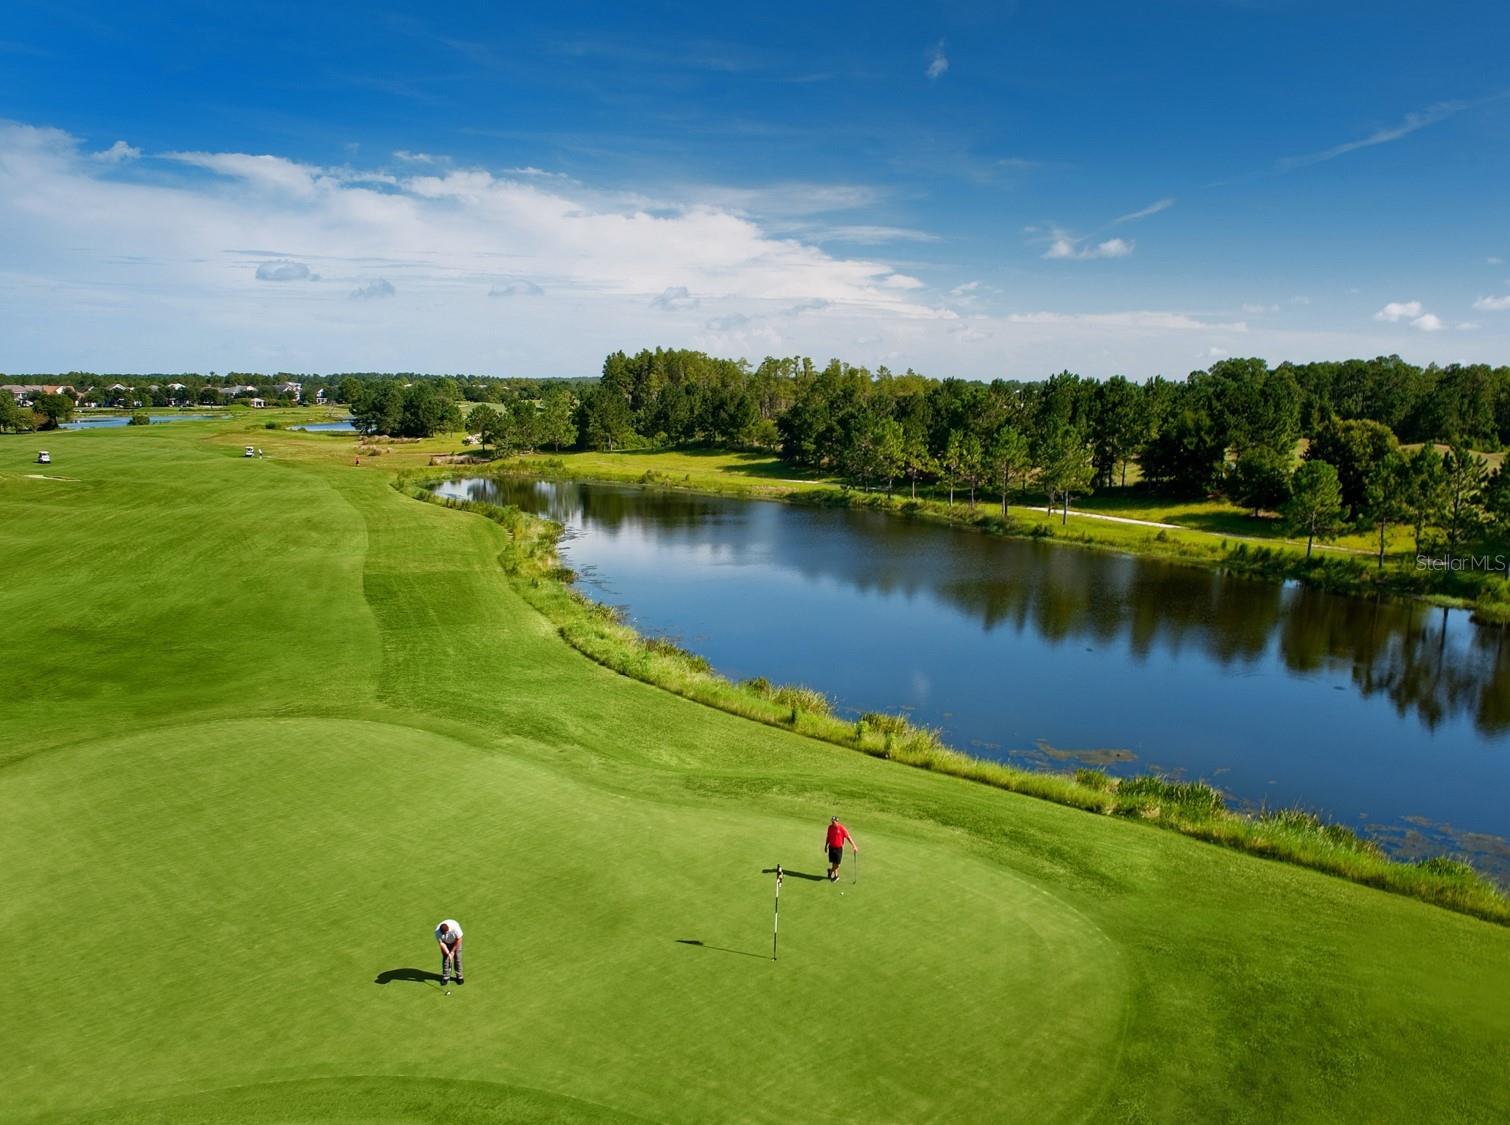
{"x":140,"y":418}
{"x":662,"y":646}
{"x":1454,"y":870}
{"x":1093,"y":779}
{"x":1158,"y":797}
{"x":884,"y":723}
{"x":801,"y":699}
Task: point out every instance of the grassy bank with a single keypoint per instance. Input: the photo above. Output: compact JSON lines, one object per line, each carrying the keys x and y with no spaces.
{"x":268,"y":721}
{"x":1192,"y":808}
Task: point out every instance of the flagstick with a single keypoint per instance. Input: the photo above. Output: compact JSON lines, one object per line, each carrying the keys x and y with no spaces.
{"x":776,"y":912}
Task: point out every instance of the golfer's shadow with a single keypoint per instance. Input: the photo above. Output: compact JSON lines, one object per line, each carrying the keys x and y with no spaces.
{"x":419,"y":976}
{"x":794,"y":874}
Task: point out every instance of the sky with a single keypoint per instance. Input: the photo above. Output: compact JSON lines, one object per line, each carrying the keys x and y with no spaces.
{"x":980,"y":190}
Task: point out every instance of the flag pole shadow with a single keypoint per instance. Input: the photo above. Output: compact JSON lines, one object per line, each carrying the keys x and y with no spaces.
{"x":719,"y":948}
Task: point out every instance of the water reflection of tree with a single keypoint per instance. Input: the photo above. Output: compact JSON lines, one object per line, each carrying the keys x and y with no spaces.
{"x":1430,"y":662}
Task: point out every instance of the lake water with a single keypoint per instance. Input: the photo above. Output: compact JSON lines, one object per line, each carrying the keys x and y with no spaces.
{"x":342,"y":427}
{"x":105,"y":423}
{"x":1391,"y":717}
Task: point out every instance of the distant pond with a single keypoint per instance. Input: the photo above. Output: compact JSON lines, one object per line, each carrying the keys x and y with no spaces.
{"x":109,"y":421}
{"x":344,"y":426}
{"x":1392,"y":717}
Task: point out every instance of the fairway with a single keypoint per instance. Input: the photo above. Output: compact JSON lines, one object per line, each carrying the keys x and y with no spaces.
{"x":268,"y":721}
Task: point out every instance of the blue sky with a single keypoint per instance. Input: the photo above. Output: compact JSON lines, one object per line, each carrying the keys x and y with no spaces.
{"x":967,"y":189}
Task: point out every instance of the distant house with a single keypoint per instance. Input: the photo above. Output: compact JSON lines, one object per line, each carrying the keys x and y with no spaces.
{"x":257,"y":403}
{"x":294,"y":391}
{"x":235,"y":390}
{"x":26,"y":394}
{"x":320,"y":396}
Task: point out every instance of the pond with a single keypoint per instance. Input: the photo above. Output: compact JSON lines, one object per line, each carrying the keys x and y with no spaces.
{"x":1391,"y":717}
{"x":109,"y":421}
{"x":344,"y":426}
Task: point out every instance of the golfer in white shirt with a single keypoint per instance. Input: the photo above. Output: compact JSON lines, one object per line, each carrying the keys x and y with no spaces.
{"x":448,"y":937}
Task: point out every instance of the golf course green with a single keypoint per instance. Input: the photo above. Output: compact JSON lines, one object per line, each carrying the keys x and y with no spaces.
{"x":267,"y":721}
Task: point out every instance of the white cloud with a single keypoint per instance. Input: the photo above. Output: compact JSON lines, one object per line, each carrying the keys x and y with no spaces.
{"x":1065,"y":248}
{"x":1259,"y":310}
{"x":784,"y":200}
{"x":158,"y":271}
{"x":1428,"y":323}
{"x":378,"y":288}
{"x":1397,"y":311}
{"x":1152,"y":209}
{"x":417,"y":157}
{"x":938,"y":62}
{"x":964,"y":289}
{"x":1215,"y":353}
{"x":901,"y":281}
{"x":856,"y":232}
{"x":1467,"y":326}
{"x":1492,"y":304}
{"x":531,"y":170}
{"x":1141,"y":319}
{"x":117,"y":153}
{"x":284,"y":271}
{"x":257,"y":171}
{"x":520,"y":288}
{"x":729,"y":323}
{"x":674,"y":298}
{"x":1411,"y":122}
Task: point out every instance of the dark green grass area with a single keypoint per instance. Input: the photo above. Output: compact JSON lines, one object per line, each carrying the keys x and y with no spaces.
{"x":268,"y":721}
{"x":378,"y":1101}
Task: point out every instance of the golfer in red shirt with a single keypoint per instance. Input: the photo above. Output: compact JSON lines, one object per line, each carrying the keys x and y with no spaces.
{"x":833,"y":842}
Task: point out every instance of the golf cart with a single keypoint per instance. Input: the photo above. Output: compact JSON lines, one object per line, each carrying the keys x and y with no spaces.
{"x":251,"y":451}
{"x":44,"y":457}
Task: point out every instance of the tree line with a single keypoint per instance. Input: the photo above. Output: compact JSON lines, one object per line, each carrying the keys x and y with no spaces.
{"x":1233,"y":430}
{"x":1230,"y":430}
